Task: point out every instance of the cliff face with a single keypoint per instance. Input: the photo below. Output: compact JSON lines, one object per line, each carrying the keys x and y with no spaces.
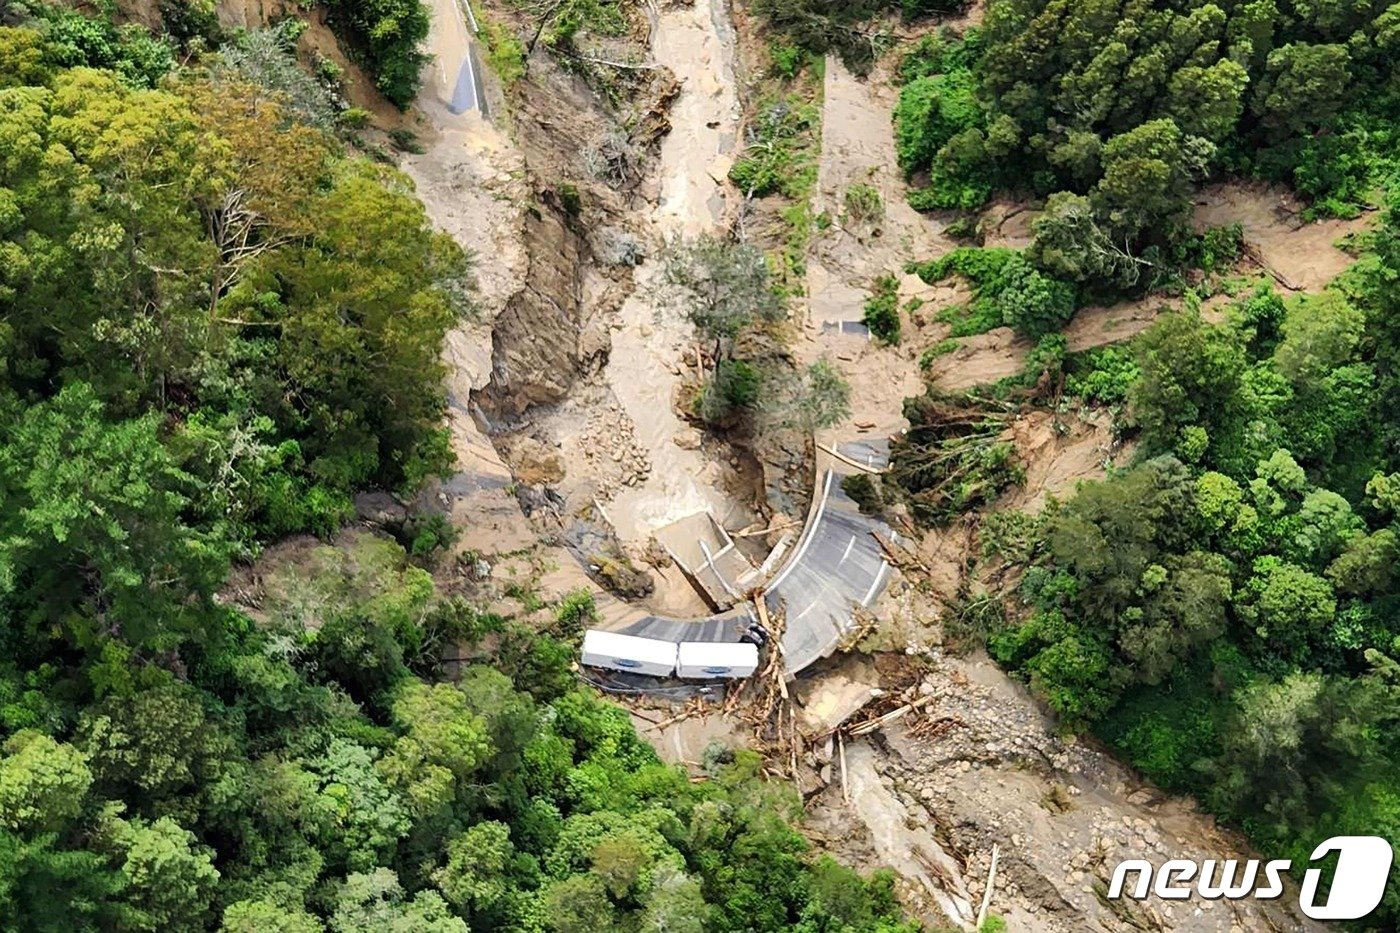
{"x":536,"y":353}
{"x":581,"y":231}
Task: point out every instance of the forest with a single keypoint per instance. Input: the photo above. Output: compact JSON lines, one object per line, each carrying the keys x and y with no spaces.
{"x":222,"y":316}
{"x":218,"y":322}
{"x":1223,"y":610}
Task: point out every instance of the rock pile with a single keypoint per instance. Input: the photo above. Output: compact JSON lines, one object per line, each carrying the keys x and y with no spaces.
{"x":609,"y":445}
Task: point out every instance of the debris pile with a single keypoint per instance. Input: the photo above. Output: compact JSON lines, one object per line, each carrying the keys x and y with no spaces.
{"x":609,"y":444}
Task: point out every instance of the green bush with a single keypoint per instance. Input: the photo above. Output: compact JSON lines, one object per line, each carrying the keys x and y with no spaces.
{"x":882,"y":310}
{"x":505,"y":53}
{"x":73,"y":39}
{"x":1031,"y":303}
{"x":387,"y":35}
{"x":864,"y":205}
{"x":942,"y":348}
{"x":864,"y":491}
{"x":931,"y":111}
{"x":575,"y":612}
{"x":1102,"y":375}
{"x":734,"y":388}
{"x":786,"y":61}
{"x":1008,"y":291}
{"x":776,"y":159}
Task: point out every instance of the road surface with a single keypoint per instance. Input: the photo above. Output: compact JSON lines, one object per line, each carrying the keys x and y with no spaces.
{"x":835,"y":567}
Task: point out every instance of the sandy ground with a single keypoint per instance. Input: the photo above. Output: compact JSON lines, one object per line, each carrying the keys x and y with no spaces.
{"x":648,"y":345}
{"x":471,"y":179}
{"x":858,"y":148}
{"x":1059,"y":452}
{"x":1299,"y":256}
{"x":1303,"y":255}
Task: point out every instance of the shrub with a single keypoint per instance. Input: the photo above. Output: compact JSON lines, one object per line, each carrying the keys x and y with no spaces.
{"x":733,"y":388}
{"x":405,"y":140}
{"x":864,"y":491}
{"x":1104,"y":375}
{"x":942,"y":348}
{"x":575,"y":612}
{"x":931,"y":111}
{"x":505,"y":53}
{"x":1030,"y":302}
{"x":386,"y":35}
{"x":776,"y":159}
{"x":1009,"y":291}
{"x":74,"y":39}
{"x":864,"y":204}
{"x":882,"y":310}
{"x":786,"y":61}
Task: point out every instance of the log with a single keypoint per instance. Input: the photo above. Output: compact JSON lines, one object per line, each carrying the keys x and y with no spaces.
{"x":987,"y":894}
{"x":841,"y":746}
{"x":845,"y":459}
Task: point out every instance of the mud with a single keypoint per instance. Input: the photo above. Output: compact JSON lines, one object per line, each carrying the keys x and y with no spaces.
{"x":858,"y":149}
{"x":1300,"y":255}
{"x":649,"y":344}
{"x":578,"y":391}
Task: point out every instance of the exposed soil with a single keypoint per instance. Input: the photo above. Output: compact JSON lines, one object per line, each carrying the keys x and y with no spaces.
{"x":980,"y":764}
{"x":858,"y":149}
{"x":1060,"y":451}
{"x":650,"y":345}
{"x":472,"y":179}
{"x":563,"y":397}
{"x":1301,"y":255}
{"x":1298,"y":256}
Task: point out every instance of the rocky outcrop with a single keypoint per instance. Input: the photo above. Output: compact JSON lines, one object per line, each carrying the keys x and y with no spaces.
{"x":535,"y":344}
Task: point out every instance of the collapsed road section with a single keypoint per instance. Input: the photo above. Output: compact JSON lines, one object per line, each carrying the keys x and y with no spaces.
{"x":836,"y":569}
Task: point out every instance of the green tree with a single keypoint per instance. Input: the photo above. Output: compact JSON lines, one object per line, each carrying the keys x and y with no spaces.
{"x":267,"y":917}
{"x":475,"y":879}
{"x":361,"y":818}
{"x":51,"y":889}
{"x":43,"y":783}
{"x":1287,"y":607}
{"x":376,"y":901}
{"x":579,"y":904}
{"x":155,"y":740}
{"x":445,"y":742}
{"x":1190,"y":374}
{"x":1302,"y":86}
{"x":1295,"y":748}
{"x":389,"y":35}
{"x":722,"y":287}
{"x":811,"y":399}
{"x":1207,"y":101}
{"x":1072,"y":243}
{"x":95,"y":523}
{"x":169,"y":877}
{"x":1366,"y":565}
{"x":1148,"y":172}
{"x":1320,"y":333}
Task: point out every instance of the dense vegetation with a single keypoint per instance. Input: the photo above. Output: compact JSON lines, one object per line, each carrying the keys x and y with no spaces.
{"x":387,"y":35}
{"x":216,"y":324}
{"x":1113,"y":111}
{"x":849,"y":28}
{"x":1226,"y":611}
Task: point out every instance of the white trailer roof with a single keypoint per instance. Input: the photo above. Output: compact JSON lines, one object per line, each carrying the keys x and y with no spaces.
{"x":716,"y":659}
{"x":605,"y":649}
